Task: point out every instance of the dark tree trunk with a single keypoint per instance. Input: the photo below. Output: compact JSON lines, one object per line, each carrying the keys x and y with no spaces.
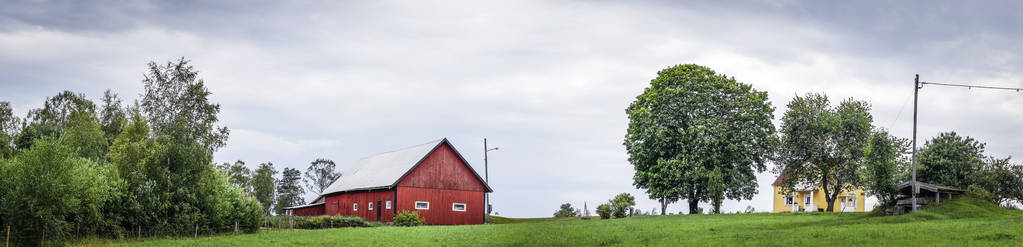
{"x":828,"y":197}
{"x":694,"y":205}
{"x":664,"y":205}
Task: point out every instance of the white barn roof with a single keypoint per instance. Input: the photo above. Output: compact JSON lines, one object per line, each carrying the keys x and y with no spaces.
{"x":384,"y":170}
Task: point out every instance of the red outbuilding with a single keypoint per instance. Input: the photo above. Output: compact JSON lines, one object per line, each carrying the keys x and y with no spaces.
{"x":431,"y":178}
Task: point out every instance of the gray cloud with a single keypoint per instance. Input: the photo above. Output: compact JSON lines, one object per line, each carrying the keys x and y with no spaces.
{"x":547,"y":82}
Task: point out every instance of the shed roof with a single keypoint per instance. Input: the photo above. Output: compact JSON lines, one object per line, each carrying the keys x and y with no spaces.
{"x":383,"y":171}
{"x":905,"y":187}
{"x":305,"y":206}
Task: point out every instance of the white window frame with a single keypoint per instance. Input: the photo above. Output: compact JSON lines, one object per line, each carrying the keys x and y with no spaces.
{"x":789,"y":200}
{"x":807,"y":200}
{"x":454,"y":207}
{"x":416,"y":206}
{"x":355,"y":206}
{"x":371,"y":206}
{"x":388,"y":205}
{"x":851,"y":200}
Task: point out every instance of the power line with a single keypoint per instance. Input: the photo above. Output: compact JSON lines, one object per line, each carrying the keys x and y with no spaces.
{"x":903,"y":107}
{"x":917,"y":85}
{"x":972,"y":86}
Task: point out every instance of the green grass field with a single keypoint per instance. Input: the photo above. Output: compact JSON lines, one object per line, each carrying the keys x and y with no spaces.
{"x":960,"y":222}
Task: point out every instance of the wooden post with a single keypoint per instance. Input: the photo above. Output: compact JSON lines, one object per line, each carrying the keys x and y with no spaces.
{"x":7,"y":241}
{"x":43,"y":243}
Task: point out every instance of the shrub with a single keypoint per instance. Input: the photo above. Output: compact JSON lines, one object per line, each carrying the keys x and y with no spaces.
{"x":604,"y":210}
{"x":406,"y":218}
{"x":979,"y":193}
{"x":566,"y":210}
{"x":621,"y":205}
{"x":320,"y":222}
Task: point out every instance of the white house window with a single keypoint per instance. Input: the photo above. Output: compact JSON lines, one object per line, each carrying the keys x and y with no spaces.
{"x":422,"y":205}
{"x":371,"y":206}
{"x":852,"y":200}
{"x":807,"y":200}
{"x":387,"y":205}
{"x":788,"y":200}
{"x":355,"y":206}
{"x":458,"y":207}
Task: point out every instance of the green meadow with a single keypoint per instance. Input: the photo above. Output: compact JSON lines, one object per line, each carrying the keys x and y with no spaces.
{"x":960,"y":222}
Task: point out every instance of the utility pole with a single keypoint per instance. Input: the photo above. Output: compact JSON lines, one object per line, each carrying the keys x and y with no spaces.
{"x":916,"y":93}
{"x":486,"y":178}
{"x":917,"y":85}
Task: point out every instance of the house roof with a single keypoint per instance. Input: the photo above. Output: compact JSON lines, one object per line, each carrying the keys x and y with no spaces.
{"x":778,"y":181}
{"x":383,"y":171}
{"x":798,"y":187}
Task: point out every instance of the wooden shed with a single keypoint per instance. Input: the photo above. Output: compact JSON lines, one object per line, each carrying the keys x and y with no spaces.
{"x":928,"y":194}
{"x":431,"y":178}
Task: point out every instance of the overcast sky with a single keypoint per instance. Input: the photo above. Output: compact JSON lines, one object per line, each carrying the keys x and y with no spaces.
{"x":547,"y":82}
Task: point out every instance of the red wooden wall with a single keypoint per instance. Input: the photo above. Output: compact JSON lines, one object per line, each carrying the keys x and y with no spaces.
{"x":442,"y":179}
{"x":341,"y":204}
{"x":440,"y":212}
{"x":309,"y":211}
{"x":442,"y":169}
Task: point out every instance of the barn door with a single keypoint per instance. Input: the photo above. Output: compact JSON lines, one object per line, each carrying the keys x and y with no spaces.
{"x":378,"y":210}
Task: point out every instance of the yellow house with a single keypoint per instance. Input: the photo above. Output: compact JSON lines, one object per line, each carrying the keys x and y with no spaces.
{"x":812,"y":200}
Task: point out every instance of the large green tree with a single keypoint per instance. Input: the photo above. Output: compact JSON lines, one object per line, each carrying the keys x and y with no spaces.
{"x":289,"y":192}
{"x":58,"y":110}
{"x":9,"y":129}
{"x":320,"y":174}
{"x":950,"y":160}
{"x":239,"y":175}
{"x":84,"y":133}
{"x":49,"y":188}
{"x":691,"y":121}
{"x":264,"y":186}
{"x":112,"y":116}
{"x":55,"y":116}
{"x":177,"y":104}
{"x":1003,"y":179}
{"x":822,"y":146}
{"x":138,"y":160}
{"x":882,"y":159}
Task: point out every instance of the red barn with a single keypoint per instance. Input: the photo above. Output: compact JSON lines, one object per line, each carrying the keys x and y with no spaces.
{"x":431,"y":178}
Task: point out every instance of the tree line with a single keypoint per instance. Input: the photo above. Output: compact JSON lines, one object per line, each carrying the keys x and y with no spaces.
{"x":700,"y":136}
{"x":275,"y":194}
{"x":75,"y":166}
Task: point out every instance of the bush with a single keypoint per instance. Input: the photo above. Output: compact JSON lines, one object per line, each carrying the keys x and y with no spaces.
{"x":621,"y":205}
{"x":566,"y":210}
{"x":320,"y":222}
{"x":406,"y":218}
{"x":604,"y":210}
{"x":250,"y":214}
{"x":979,"y":193}
{"x":49,"y":188}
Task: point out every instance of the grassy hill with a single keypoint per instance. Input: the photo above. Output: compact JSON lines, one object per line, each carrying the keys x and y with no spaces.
{"x":963,"y":221}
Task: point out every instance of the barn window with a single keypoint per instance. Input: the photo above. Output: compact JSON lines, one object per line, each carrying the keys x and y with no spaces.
{"x":422,"y":205}
{"x":387,"y":205}
{"x":788,"y":200}
{"x":458,"y":207}
{"x":370,"y":206}
{"x":355,"y":206}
